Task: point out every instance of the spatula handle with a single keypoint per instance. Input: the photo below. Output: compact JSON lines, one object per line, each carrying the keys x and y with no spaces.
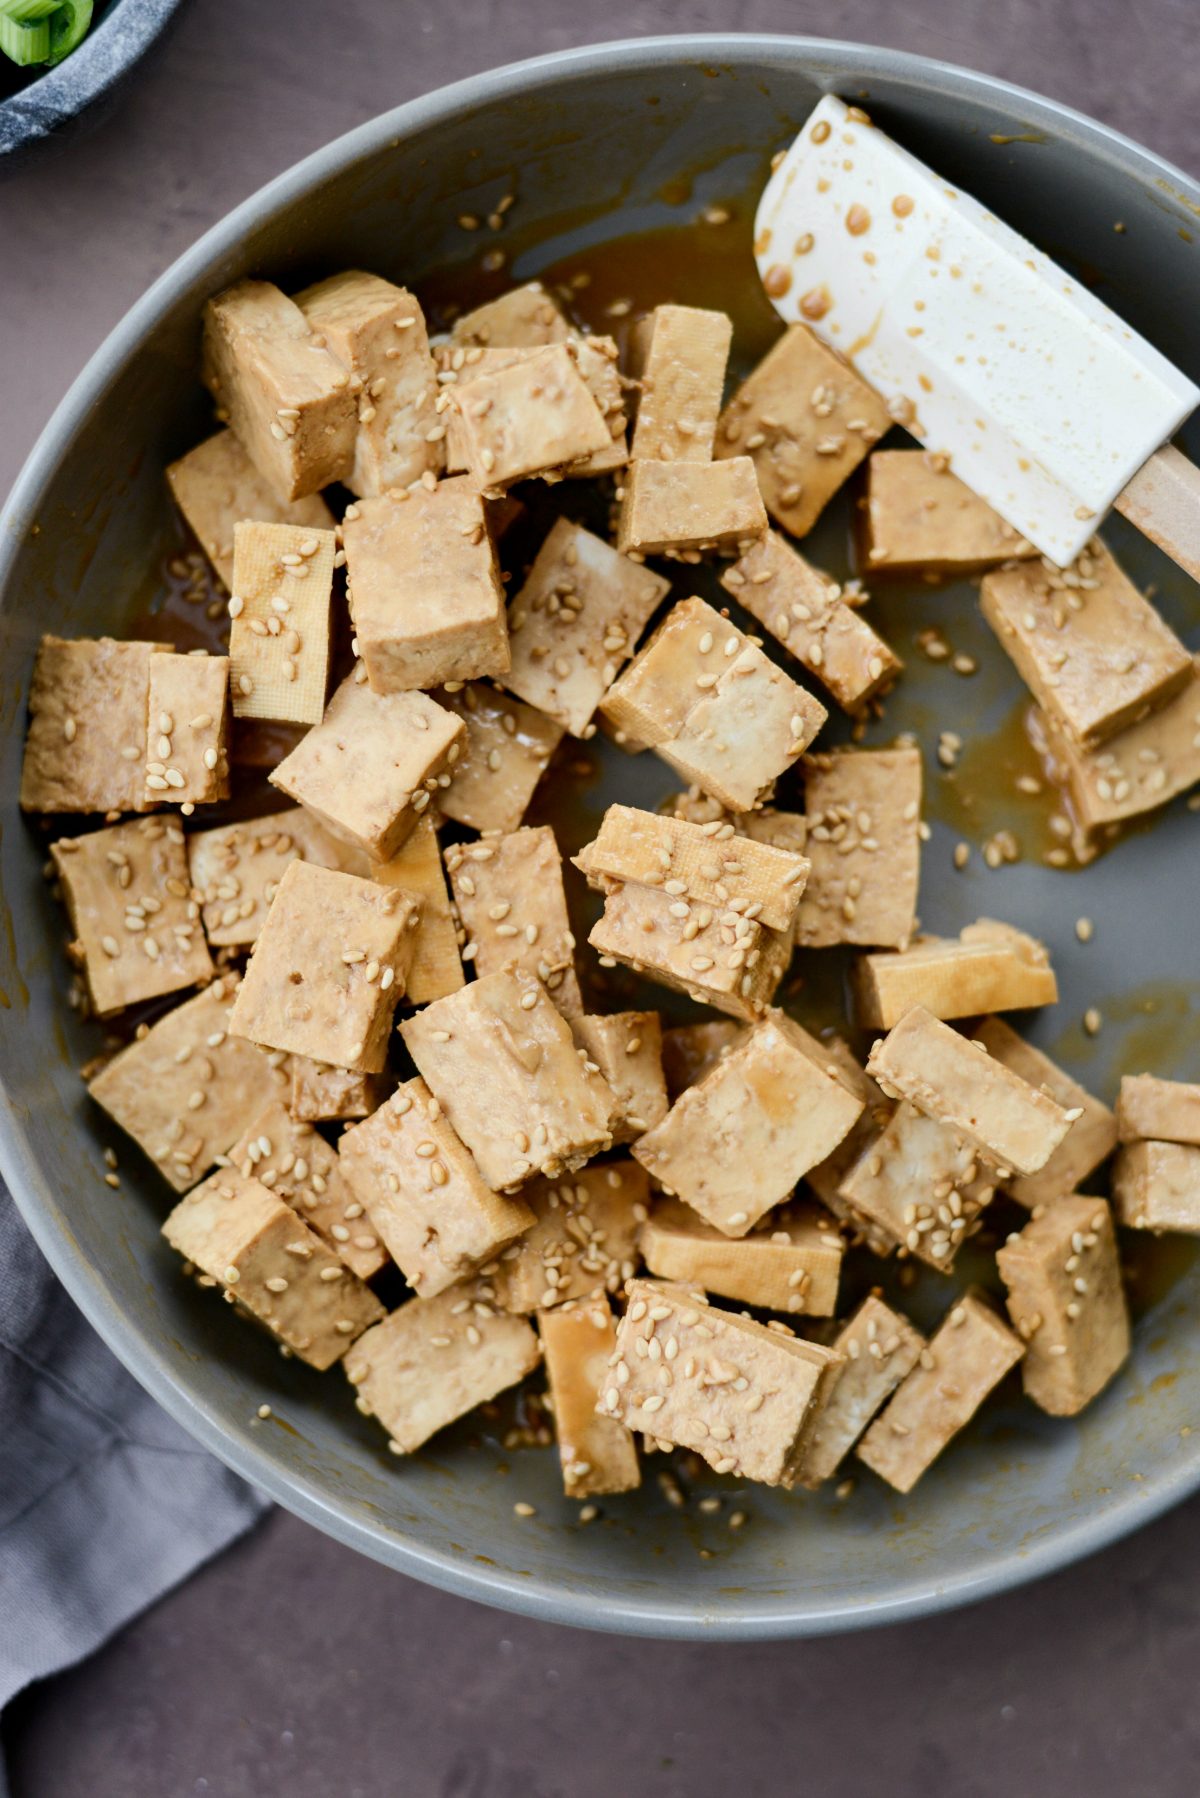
{"x":1163,"y":501}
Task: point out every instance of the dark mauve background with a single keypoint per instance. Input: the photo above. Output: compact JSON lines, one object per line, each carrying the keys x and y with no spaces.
{"x":291,"y":1668}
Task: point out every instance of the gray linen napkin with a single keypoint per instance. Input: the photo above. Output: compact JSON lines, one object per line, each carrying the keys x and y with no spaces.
{"x":105,"y":1503}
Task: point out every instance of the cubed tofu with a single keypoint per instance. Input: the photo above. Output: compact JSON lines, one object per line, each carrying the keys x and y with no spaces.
{"x":137,"y":933}
{"x":954,"y":1079}
{"x":826,"y":1178}
{"x":328,"y":968}
{"x":526,"y":416}
{"x":575,"y":623}
{"x":988,"y":967}
{"x":1154,"y":1110}
{"x":1066,"y":1302}
{"x":240,"y":1234}
{"x":807,"y":421}
{"x":187,"y":1090}
{"x":879,"y":1348}
{"x":734,"y":966}
{"x":88,"y":709}
{"x":187,"y":753}
{"x":966,"y":1359}
{"x":416,"y":868}
{"x":583,"y":1241}
{"x":598,"y":1454}
{"x":368,"y":769}
{"x":741,"y":1395}
{"x":595,"y":358}
{"x":918,"y":1185}
{"x":690,"y":1050}
{"x":918,"y":518}
{"x":279,"y":638}
{"x":377,"y":331}
{"x":423,"y":1192}
{"x":696,"y":865}
{"x":677,"y":508}
{"x":296,"y":1163}
{"x":523,"y":318}
{"x":791,"y":1264}
{"x":679,"y":355}
{"x":509,"y":894}
{"x":506,"y":750}
{"x":433,"y":1360}
{"x":1136,"y":771}
{"x":806,"y":612}
{"x":424,"y":589}
{"x":1091,"y":1138}
{"x":1156,"y":1186}
{"x":713,"y":706}
{"x":627,"y":1049}
{"x":321,"y":1093}
{"x":1093,"y":652}
{"x":235,"y":869}
{"x":735,"y":1144}
{"x":864,"y":843}
{"x":500,"y":1059}
{"x":287,"y":398}
{"x":216,"y":486}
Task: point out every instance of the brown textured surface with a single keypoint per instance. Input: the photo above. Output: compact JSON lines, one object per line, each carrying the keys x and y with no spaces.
{"x":292,"y":1666}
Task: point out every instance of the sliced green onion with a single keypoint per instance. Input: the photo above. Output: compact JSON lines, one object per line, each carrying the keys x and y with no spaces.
{"x":28,"y":12}
{"x":69,"y":27}
{"x":24,"y":44}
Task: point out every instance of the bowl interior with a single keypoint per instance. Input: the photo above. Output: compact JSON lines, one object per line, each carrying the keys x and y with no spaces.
{"x":626,"y":148}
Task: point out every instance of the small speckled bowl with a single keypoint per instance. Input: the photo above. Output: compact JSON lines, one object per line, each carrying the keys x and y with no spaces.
{"x":599,"y":143}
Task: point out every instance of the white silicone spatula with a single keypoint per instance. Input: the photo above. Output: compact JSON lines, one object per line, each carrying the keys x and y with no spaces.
{"x":1045,"y":402}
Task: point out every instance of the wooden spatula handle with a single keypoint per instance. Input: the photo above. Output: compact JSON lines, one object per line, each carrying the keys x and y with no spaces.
{"x":1163,"y":501}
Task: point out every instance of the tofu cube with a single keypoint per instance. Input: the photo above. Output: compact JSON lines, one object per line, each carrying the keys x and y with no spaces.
{"x":917,"y":518}
{"x":296,"y":1163}
{"x":216,"y":486}
{"x":241,"y":1235}
{"x":918,"y":1185}
{"x":713,"y":706}
{"x":966,"y":1359}
{"x":743,"y":1396}
{"x":279,"y":638}
{"x":1091,"y":1138}
{"x":627,"y":1049}
{"x":286,"y":397}
{"x":1067,"y":1303}
{"x":679,"y":356}
{"x":879,"y":1348}
{"x":598,"y":1454}
{"x":369,"y":768}
{"x":722,"y":958}
{"x":864,"y":843}
{"x":526,"y":416}
{"x":377,"y":331}
{"x":506,"y":750}
{"x":328,"y":968}
{"x":807,"y":421}
{"x":583,"y":1241}
{"x":596,"y":360}
{"x":735,"y":1144}
{"x":677,"y":508}
{"x":575,"y":622}
{"x":791,"y":1264}
{"x":433,"y":1360}
{"x":509,"y":894}
{"x":1095,"y":655}
{"x":690,"y":1050}
{"x":321,"y":1093}
{"x":525,"y":317}
{"x":988,"y":967}
{"x":953,"y":1078}
{"x":235,"y":869}
{"x":416,"y":868}
{"x":137,"y":935}
{"x":805,"y":611}
{"x":1154,"y":1110}
{"x":88,"y":708}
{"x":500,"y":1059}
{"x":187,"y":1090}
{"x":423,"y":1193}
{"x":424,"y":589}
{"x":825,"y":1180}
{"x":187,"y":753}
{"x":1156,"y":1186}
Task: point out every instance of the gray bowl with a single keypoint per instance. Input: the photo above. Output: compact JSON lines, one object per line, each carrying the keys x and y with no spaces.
{"x":602,"y":142}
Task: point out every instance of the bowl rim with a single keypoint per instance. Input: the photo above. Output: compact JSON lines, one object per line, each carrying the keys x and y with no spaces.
{"x":535,"y":1596}
{"x":35,"y":112}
